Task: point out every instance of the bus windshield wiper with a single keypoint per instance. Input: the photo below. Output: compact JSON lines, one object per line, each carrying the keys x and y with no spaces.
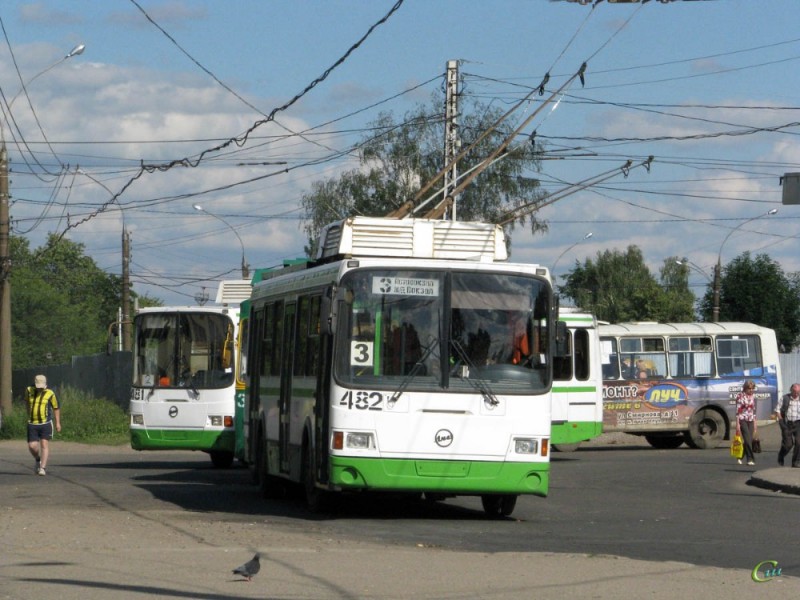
{"x":476,"y":382}
{"x":433,"y":342}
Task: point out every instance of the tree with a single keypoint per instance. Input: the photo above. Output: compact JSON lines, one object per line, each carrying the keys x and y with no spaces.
{"x":678,"y":298}
{"x":756,"y":290}
{"x":401,"y":157}
{"x":619,"y":287}
{"x":61,"y":303}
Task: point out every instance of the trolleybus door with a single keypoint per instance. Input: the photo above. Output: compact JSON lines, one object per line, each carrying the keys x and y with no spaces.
{"x":285,"y":400}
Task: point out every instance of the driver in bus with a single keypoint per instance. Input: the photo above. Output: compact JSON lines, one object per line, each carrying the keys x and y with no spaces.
{"x":517,"y":323}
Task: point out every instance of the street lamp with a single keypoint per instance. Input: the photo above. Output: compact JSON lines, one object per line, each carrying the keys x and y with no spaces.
{"x":5,"y":258}
{"x":586,"y":237}
{"x":687,"y":263}
{"x":718,"y":266}
{"x":245,"y":270}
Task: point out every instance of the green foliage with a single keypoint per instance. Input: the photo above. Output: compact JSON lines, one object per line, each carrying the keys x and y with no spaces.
{"x":756,"y":290}
{"x":619,"y":287}
{"x":83,"y":419}
{"x":61,"y":303}
{"x":401,"y":157}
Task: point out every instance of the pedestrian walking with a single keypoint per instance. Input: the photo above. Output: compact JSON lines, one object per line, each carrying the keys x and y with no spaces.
{"x":789,"y":421}
{"x":746,"y":419}
{"x":42,"y":409}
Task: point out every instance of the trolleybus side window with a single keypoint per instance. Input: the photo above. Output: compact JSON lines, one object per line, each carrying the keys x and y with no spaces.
{"x":271,"y":342}
{"x":562,"y":365}
{"x":307,"y":345}
{"x":738,"y":354}
{"x":582,"y":354}
{"x":577,"y":358}
{"x":244,"y":348}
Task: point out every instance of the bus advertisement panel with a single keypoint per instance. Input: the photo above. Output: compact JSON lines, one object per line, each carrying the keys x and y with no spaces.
{"x":678,"y":382}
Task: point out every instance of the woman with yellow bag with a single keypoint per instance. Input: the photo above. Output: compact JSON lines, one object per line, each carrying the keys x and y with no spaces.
{"x":746,"y":419}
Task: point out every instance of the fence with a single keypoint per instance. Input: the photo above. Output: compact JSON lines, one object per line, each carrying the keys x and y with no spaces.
{"x":790,"y":370}
{"x":101,"y":375}
{"x":110,"y":377}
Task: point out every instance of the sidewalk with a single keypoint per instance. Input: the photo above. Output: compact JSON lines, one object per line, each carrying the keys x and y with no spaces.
{"x":769,"y":475}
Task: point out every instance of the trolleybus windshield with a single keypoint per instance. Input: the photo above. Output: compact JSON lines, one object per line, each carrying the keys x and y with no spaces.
{"x":434,"y":330}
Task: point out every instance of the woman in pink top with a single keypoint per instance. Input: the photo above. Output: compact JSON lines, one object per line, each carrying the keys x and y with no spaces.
{"x":746,"y":419}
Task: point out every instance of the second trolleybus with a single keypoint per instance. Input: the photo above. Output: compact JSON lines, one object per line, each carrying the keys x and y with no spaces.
{"x":577,"y":383}
{"x":183,"y":394}
{"x":408,"y":356}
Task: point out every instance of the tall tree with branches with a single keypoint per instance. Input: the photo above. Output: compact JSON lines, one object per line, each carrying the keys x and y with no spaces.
{"x":618,"y":286}
{"x":756,"y":290}
{"x":399,"y":158}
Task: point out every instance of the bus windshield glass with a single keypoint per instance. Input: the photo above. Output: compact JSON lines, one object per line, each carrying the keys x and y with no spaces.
{"x":183,"y":349}
{"x":453,"y":331}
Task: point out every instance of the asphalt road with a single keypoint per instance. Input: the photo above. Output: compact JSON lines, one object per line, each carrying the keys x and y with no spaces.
{"x":622,"y":521}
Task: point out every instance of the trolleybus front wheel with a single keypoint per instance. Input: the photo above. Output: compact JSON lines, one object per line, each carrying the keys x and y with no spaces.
{"x":316,"y":499}
{"x":499,"y":505}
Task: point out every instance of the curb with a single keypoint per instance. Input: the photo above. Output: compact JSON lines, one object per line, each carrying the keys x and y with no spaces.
{"x":772,"y":483}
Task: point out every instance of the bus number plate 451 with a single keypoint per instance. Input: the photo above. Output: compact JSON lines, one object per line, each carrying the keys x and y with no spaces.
{"x":362,"y":400}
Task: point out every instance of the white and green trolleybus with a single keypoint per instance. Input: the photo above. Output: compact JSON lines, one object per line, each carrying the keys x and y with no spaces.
{"x":183,"y":394}
{"x":577,"y":382}
{"x":408,"y":356}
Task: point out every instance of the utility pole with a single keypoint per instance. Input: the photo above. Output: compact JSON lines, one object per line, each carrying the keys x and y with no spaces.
{"x":126,"y":290}
{"x":5,"y":288}
{"x":452,"y":142}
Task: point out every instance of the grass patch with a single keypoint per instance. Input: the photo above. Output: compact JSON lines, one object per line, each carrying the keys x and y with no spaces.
{"x":84,"y":419}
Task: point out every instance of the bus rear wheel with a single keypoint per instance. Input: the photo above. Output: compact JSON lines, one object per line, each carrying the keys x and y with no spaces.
{"x":566,"y":447}
{"x":706,"y":429}
{"x":221,"y":459}
{"x":498,"y":505}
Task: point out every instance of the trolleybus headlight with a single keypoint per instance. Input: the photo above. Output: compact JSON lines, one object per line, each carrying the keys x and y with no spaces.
{"x":137,"y":419}
{"x":216,"y":420}
{"x":359,"y":441}
{"x":526,"y":446}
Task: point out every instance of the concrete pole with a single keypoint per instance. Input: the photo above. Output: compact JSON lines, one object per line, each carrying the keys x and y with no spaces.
{"x":5,"y":287}
{"x":126,"y":290}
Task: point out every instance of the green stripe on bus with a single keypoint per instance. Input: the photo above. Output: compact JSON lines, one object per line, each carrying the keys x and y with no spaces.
{"x":442,"y":476}
{"x":182,"y":439}
{"x":573,"y":432}
{"x":575,"y":388}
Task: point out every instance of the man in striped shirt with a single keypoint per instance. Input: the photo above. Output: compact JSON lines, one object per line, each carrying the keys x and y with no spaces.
{"x":42,"y":407}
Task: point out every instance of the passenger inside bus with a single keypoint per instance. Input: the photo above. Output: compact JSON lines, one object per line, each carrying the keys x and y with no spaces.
{"x":405,"y":349}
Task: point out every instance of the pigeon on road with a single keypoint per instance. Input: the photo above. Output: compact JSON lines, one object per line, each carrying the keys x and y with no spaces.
{"x":250,"y":568}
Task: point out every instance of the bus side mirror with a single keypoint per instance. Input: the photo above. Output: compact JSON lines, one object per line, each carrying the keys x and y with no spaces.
{"x":562,"y":345}
{"x":328,"y":306}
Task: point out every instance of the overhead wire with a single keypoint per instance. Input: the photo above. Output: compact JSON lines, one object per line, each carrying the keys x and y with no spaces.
{"x":242,"y":138}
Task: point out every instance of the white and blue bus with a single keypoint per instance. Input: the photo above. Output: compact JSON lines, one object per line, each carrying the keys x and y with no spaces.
{"x":184,"y":376}
{"x":408,"y":356}
{"x":677,"y":382}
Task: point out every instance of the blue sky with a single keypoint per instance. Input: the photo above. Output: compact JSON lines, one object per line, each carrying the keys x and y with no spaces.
{"x":710,"y":89}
